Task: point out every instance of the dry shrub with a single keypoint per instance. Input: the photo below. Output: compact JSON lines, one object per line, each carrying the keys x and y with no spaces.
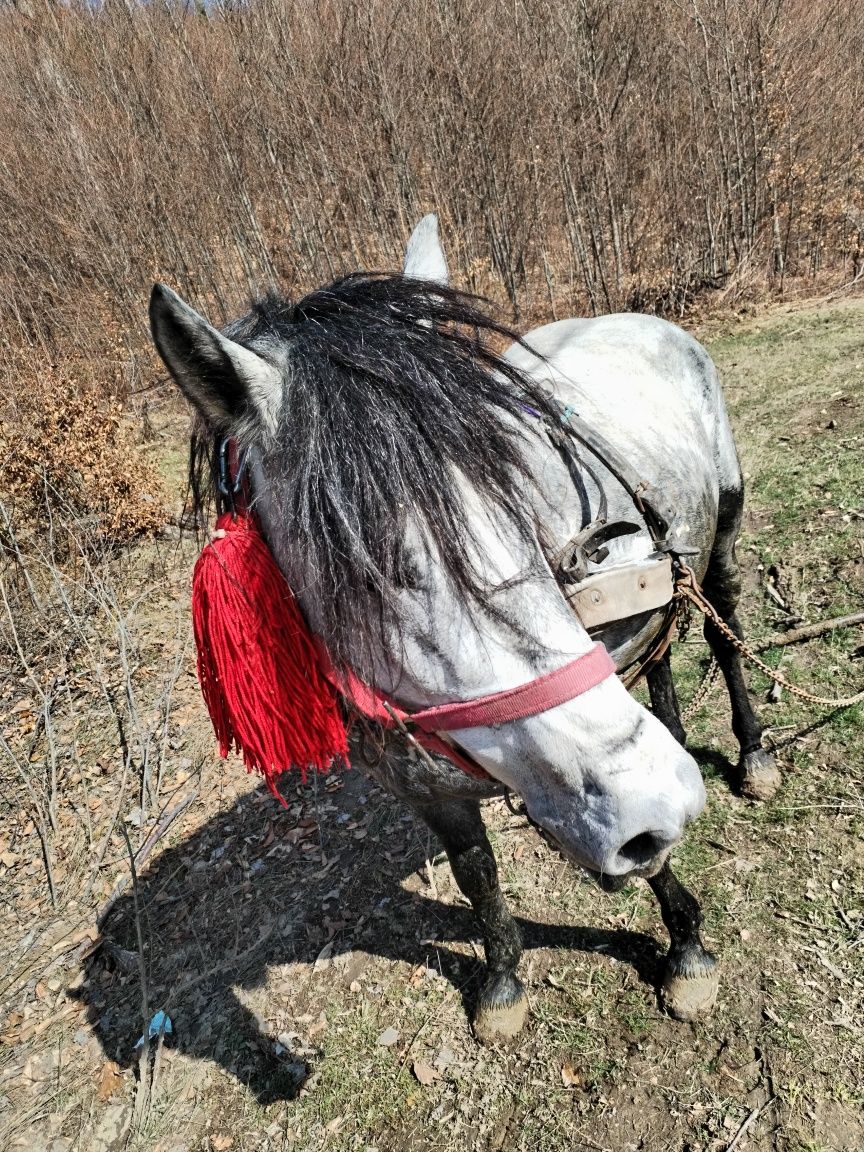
{"x":71,"y":460}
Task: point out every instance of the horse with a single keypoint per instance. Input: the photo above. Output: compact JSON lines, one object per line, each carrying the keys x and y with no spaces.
{"x":405,"y":477}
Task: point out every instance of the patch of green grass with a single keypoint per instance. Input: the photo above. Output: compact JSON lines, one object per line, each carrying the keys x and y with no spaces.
{"x":381,"y":1089}
{"x":634,"y":1012}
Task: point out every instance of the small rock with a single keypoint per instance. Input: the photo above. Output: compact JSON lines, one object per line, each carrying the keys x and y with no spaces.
{"x":444,"y":1059}
{"x":112,"y":1129}
{"x":388,"y":1037}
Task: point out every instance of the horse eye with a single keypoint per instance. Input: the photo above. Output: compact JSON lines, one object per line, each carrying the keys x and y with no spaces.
{"x":409,"y":576}
{"x":406,"y":578}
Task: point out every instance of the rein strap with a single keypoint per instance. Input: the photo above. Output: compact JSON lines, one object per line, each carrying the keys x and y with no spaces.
{"x":530,"y":699}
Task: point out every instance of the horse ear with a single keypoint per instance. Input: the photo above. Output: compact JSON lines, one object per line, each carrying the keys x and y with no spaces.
{"x":222,"y":379}
{"x":424,"y":256}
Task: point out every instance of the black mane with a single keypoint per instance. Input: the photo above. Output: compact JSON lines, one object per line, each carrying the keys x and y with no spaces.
{"x":391,"y":389}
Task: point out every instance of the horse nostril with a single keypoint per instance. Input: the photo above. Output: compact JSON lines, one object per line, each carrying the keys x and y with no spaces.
{"x":642,"y":849}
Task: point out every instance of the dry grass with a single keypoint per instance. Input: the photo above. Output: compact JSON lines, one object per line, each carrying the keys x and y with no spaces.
{"x":320,"y":927}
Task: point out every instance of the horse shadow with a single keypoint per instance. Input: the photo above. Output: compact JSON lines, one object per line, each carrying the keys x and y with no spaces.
{"x":713,"y":764}
{"x":258,"y":886}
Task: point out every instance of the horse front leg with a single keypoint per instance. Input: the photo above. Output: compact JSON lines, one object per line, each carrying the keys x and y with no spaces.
{"x":691,"y":979}
{"x":664,"y":699}
{"x":502,"y":1006}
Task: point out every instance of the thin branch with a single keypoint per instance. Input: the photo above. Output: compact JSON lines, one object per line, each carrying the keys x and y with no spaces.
{"x":810,"y":631}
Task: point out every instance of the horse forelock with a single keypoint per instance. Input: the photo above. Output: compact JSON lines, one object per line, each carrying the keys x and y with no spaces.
{"x":393,"y":401}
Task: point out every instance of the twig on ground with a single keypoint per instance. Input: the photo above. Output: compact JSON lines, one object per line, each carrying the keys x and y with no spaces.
{"x":39,"y":820}
{"x":430,"y":867}
{"x":174,"y":676}
{"x":809,"y":631}
{"x":748,"y":1124}
{"x":142,"y":1096}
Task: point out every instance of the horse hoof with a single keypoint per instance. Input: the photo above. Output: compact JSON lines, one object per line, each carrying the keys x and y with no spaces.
{"x":690,"y":986}
{"x":501,"y":1012}
{"x":760,"y":776}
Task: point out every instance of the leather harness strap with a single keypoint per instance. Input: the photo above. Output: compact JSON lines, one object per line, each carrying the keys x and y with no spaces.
{"x":584,"y":590}
{"x":648,"y":499}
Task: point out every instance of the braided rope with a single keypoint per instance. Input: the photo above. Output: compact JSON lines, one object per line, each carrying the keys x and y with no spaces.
{"x":687,"y":586}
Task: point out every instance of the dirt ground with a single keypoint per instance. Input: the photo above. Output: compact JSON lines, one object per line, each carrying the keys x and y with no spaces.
{"x":317,"y":962}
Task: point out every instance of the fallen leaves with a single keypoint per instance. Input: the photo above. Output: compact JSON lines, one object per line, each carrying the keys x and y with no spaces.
{"x":301,"y":831}
{"x":110,"y":1080}
{"x":569,"y":1077}
{"x":32,"y":1030}
{"x":420,"y":975}
{"x":425,"y":1073}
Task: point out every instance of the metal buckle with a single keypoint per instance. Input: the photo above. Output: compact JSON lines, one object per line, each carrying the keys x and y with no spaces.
{"x":227,"y":487}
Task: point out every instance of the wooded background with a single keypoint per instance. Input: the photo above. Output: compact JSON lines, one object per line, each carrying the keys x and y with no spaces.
{"x":583,"y":156}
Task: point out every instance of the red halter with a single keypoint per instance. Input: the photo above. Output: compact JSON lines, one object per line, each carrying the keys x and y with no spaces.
{"x":530,"y":699}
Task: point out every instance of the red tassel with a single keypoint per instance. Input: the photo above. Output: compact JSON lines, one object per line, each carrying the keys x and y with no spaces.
{"x":257,"y":663}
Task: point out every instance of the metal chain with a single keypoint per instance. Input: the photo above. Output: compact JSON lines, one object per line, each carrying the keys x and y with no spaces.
{"x":686,"y":585}
{"x":706,"y":687}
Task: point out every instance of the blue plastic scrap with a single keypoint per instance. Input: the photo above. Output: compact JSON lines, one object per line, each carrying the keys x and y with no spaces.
{"x":160,"y":1023}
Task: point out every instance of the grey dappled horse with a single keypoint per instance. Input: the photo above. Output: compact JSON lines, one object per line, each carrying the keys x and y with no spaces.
{"x":407,"y":487}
